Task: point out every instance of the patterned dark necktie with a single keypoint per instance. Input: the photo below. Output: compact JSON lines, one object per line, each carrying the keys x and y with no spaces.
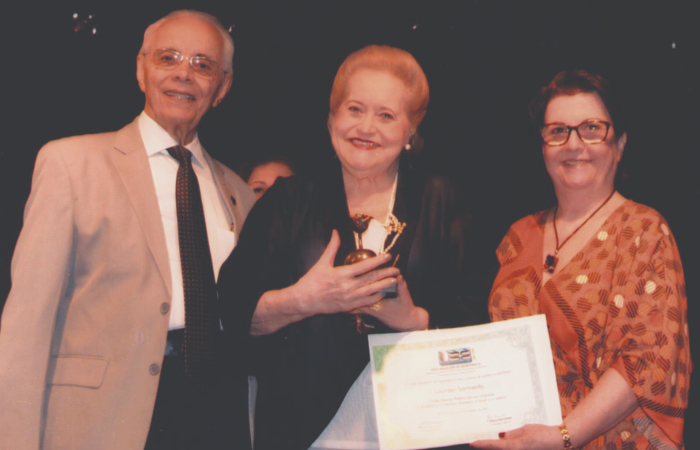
{"x":201,"y":322}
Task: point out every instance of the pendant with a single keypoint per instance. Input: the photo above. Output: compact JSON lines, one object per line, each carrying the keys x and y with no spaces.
{"x":550,"y":262}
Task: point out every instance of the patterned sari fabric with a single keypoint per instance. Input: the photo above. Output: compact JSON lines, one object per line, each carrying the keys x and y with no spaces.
{"x":619,"y":303}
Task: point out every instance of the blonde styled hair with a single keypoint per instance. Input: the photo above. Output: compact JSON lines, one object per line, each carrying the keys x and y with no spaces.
{"x":394,"y":61}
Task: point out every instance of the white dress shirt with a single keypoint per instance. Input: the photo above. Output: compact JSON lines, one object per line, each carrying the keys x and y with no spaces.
{"x":164,"y":170}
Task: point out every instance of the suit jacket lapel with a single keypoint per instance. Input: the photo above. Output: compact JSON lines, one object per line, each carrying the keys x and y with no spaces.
{"x":131,"y":161}
{"x":225,"y":194}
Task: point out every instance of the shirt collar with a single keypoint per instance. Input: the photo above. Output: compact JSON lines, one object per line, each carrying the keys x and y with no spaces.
{"x":157,"y":140}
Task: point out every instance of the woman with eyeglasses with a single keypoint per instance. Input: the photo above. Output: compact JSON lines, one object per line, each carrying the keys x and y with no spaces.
{"x":607,"y":274}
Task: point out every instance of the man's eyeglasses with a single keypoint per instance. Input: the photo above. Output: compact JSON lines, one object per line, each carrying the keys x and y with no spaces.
{"x":590,"y":132}
{"x":201,"y":65}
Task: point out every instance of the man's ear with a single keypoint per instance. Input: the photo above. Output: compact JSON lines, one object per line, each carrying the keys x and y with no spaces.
{"x":224,"y":87}
{"x":140,"y":76}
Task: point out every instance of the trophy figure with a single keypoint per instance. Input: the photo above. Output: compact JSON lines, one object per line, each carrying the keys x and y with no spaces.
{"x":360,"y":224}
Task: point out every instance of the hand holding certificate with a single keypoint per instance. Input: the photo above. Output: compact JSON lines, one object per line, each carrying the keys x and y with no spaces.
{"x":447,"y":387}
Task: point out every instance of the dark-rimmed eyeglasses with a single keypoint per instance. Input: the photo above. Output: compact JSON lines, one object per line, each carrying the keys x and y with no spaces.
{"x":201,"y":65}
{"x":590,"y":132}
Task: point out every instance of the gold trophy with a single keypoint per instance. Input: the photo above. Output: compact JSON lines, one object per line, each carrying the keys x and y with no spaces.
{"x":360,"y":224}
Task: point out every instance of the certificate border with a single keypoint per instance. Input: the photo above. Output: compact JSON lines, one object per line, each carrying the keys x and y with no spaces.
{"x":519,"y":337}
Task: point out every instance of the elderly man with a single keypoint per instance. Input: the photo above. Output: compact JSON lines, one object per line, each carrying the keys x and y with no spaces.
{"x":110,"y":337}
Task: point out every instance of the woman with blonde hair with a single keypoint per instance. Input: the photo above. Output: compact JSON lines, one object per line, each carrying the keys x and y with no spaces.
{"x":286,"y":282}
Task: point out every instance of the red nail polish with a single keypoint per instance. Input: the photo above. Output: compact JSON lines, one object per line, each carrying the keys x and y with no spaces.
{"x":501,"y":435}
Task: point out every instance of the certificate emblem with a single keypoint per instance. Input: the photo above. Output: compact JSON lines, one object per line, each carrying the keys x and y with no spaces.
{"x":455,"y":356}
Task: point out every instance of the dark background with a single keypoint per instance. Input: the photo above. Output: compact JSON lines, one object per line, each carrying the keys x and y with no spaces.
{"x":484,"y":60}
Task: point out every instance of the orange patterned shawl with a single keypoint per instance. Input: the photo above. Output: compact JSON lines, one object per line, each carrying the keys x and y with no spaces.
{"x":620,"y":303}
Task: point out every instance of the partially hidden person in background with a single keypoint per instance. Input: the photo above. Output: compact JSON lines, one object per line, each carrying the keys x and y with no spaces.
{"x":262,"y":173}
{"x":607,"y":274}
{"x":308,"y":313}
{"x":110,"y":336}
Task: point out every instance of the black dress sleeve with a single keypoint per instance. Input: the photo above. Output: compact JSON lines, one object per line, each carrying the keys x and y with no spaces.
{"x":259,"y":263}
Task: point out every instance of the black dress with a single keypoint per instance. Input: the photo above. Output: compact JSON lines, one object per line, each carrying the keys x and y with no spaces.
{"x":305,"y":369}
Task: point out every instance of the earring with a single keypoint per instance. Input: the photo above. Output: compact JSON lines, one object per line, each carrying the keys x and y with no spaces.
{"x":407,"y":147}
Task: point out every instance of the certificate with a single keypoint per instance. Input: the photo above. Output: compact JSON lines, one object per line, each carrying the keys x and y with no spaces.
{"x":446,"y":387}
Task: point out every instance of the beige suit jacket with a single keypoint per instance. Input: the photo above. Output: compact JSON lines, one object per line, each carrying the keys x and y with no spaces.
{"x":84,"y":328}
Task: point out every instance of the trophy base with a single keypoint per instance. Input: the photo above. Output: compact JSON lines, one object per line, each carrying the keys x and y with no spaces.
{"x":390,"y":292}
{"x":360,"y":255}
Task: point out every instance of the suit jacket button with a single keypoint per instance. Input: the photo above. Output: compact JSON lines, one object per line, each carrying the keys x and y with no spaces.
{"x":154,"y":369}
{"x":164,"y":308}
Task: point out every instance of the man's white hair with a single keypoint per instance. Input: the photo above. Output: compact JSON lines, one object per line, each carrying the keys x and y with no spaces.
{"x":227,"y":63}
